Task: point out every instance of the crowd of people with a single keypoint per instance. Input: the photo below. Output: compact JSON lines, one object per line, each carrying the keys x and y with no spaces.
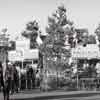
{"x":14,"y":79}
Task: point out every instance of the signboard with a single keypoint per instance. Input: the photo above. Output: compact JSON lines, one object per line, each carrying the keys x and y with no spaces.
{"x":90,"y":51}
{"x":22,"y":44}
{"x":20,"y":55}
{"x":31,"y":54}
{"x":15,"y":55}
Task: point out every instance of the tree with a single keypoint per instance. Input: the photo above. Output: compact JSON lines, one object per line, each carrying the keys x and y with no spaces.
{"x":97,"y":32}
{"x":91,"y":39}
{"x":12,"y":45}
{"x":58,"y":28}
{"x":31,"y":32}
{"x":82,"y":36}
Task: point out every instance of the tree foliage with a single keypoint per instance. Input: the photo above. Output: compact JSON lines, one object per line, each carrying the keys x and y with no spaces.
{"x":82,"y":36}
{"x":97,"y":32}
{"x":91,"y":39}
{"x":58,"y":28}
{"x":31,"y":32}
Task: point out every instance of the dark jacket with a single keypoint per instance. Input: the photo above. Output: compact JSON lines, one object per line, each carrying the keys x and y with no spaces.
{"x":1,"y":77}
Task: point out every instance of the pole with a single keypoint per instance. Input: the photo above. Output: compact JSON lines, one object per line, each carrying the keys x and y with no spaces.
{"x":77,"y":74}
{"x":22,"y":64}
{"x":32,"y":62}
{"x":45,"y":72}
{"x":77,"y":81}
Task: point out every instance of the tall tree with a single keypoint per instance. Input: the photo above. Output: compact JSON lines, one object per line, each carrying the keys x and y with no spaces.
{"x":58,"y":28}
{"x":31,"y":32}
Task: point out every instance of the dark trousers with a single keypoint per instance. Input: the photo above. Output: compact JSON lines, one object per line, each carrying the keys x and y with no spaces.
{"x":23,"y":82}
{"x":33,"y":83}
{"x":6,"y":89}
{"x":6,"y":93}
{"x":29,"y":84}
{"x":11,"y":85}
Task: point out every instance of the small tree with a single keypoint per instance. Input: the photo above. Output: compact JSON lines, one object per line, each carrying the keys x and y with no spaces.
{"x":82,"y":36}
{"x":31,"y":32}
{"x":97,"y":32}
{"x":91,"y":39}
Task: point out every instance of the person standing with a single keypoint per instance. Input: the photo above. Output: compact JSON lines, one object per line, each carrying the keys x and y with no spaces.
{"x":4,"y":80}
{"x":29,"y":77}
{"x":19,"y":77}
{"x":1,"y":79}
{"x":16,"y":79}
{"x":10,"y":76}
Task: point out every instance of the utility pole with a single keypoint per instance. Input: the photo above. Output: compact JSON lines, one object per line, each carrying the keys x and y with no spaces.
{"x":44,"y":72}
{"x":77,"y":75}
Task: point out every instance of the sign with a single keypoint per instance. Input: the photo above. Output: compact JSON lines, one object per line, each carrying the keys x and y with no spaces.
{"x":22,"y":44}
{"x":31,"y":54}
{"x":20,"y":55}
{"x":15,"y":55}
{"x":90,"y":51}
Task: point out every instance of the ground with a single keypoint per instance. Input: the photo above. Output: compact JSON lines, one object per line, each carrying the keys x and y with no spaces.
{"x":55,"y":95}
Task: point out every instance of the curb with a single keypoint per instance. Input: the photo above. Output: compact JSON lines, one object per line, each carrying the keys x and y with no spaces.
{"x":58,"y":95}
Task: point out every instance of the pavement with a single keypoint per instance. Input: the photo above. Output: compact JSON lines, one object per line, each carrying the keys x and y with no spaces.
{"x":54,"y":95}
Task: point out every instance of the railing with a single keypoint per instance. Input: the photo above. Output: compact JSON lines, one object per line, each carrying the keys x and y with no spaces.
{"x":84,"y":83}
{"x":24,"y":84}
{"x":28,"y":83}
{"x":89,"y":83}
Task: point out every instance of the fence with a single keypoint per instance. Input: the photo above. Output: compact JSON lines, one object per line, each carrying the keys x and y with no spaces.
{"x":84,"y":84}
{"x":24,"y":84}
{"x":89,"y":83}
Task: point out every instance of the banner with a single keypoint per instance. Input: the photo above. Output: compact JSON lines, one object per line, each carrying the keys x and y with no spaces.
{"x":21,"y":55}
{"x":89,"y":52}
{"x":16,"y":55}
{"x":23,"y":44}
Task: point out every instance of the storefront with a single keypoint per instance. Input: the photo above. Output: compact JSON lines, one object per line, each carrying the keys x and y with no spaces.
{"x":24,"y":57}
{"x":86,"y":59}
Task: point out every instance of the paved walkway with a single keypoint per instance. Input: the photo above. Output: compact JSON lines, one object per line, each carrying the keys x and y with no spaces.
{"x":54,"y":94}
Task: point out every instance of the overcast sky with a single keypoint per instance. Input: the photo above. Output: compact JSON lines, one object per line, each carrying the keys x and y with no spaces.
{"x":14,"y":14}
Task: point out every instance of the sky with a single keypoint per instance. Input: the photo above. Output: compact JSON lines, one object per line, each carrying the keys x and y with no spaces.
{"x":15,"y":14}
